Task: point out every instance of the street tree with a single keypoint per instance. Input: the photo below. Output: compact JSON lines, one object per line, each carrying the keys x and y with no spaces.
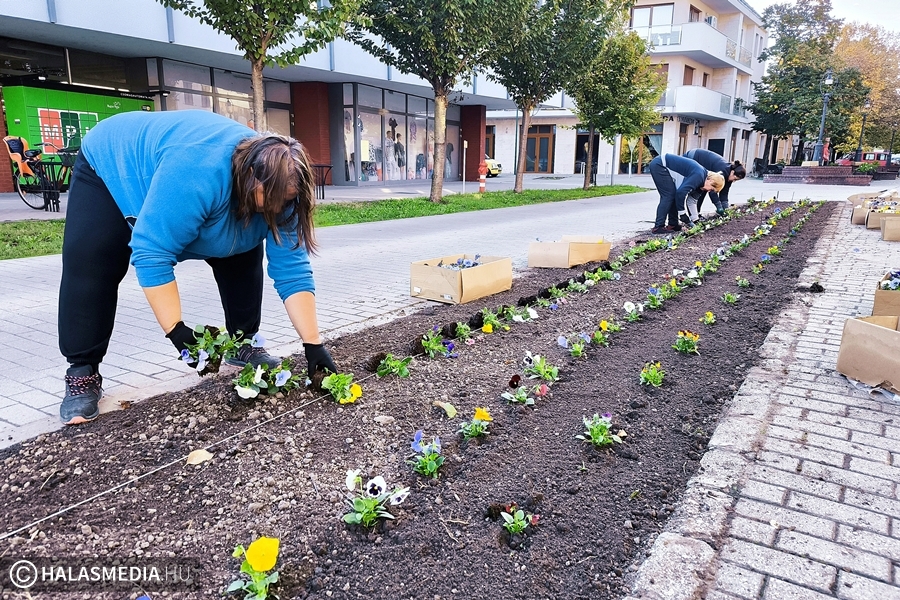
{"x":873,"y":50}
{"x":270,"y":32}
{"x":442,"y":41}
{"x":618,"y":92}
{"x":790,"y":96}
{"x":553,"y":43}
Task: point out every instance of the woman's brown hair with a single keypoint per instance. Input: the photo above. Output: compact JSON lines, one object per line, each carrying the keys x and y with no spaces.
{"x":280,"y":165}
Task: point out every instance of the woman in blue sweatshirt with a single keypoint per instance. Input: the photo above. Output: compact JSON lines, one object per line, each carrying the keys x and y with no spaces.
{"x":675,"y":178}
{"x":159,"y":188}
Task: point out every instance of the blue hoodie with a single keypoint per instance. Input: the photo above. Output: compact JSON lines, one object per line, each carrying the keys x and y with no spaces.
{"x":172,"y":171}
{"x":687,"y":173}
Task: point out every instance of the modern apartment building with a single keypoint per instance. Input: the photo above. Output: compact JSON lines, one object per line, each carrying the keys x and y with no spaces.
{"x":64,"y":65}
{"x":709,"y":50}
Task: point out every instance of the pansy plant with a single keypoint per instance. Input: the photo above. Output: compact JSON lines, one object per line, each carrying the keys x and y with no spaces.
{"x":428,"y":457}
{"x":516,"y":520}
{"x":394,"y":366}
{"x":598,"y":431}
{"x":478,"y":426}
{"x":537,"y":367}
{"x":730,"y":298}
{"x":259,"y":558}
{"x":342,"y":388}
{"x":633,"y":311}
{"x":371,"y":500}
{"x":519,"y":396}
{"x":652,"y":374}
{"x":253,"y":381}
{"x":214,"y":345}
{"x":742,"y":282}
{"x":686,"y":342}
{"x":708,"y":318}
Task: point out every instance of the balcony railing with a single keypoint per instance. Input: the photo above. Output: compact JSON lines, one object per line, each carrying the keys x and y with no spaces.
{"x":739,"y":108}
{"x":661,"y":35}
{"x":725,"y":104}
{"x":695,"y":37}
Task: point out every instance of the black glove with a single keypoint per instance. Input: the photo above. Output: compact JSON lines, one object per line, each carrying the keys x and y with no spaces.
{"x":181,"y":335}
{"x":318,"y":357}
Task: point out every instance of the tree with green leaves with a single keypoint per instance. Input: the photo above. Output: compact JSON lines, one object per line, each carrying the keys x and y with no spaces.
{"x":618,"y":92}
{"x":442,"y":41}
{"x":790,"y":96}
{"x":553,"y":44}
{"x":874,"y":51}
{"x":270,"y":32}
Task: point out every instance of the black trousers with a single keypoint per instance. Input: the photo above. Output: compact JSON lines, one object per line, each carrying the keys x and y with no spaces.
{"x":95,"y":259}
{"x":665,"y":185}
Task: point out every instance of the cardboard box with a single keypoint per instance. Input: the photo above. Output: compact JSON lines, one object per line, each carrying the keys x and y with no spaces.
{"x":858,"y":217}
{"x":858,"y":199}
{"x":570,"y":251}
{"x":431,"y":282}
{"x":870,"y":351}
{"x":873,"y":219}
{"x":890,"y":230}
{"x":887,"y":302}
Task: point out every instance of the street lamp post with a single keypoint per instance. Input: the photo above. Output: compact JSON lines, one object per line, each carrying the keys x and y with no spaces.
{"x":817,"y":150}
{"x":862,"y":130}
{"x":891,"y":147}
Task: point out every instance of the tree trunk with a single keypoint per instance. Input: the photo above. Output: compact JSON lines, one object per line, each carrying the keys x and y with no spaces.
{"x":259,"y":95}
{"x":523,"y":143}
{"x":589,"y":167}
{"x":440,"y":145}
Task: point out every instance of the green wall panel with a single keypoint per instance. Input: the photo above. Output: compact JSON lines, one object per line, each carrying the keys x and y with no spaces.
{"x":58,"y":116}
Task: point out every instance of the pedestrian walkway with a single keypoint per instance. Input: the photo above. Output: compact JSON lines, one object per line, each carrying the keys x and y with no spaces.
{"x":362,"y":278}
{"x":798,"y":496}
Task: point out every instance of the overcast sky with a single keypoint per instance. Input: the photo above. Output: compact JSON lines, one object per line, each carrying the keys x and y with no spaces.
{"x":879,"y":12}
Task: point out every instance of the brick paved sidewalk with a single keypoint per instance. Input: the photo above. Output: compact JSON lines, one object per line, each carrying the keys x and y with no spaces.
{"x":798,"y":496}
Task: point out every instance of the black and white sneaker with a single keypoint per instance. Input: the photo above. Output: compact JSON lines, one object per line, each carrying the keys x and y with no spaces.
{"x":255,"y":355}
{"x":84,"y":388}
{"x":686,"y":220}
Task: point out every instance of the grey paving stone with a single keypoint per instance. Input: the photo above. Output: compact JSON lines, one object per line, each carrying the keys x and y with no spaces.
{"x":777,"y":589}
{"x":738,"y":582}
{"x":854,"y":587}
{"x":836,"y":554}
{"x":778,"y":517}
{"x":780,"y":564}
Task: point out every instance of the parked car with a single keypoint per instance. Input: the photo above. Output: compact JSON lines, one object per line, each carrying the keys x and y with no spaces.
{"x":493,"y":167}
{"x":879,"y":158}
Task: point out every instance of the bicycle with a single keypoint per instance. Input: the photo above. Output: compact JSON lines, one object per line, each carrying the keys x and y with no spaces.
{"x":38,"y":179}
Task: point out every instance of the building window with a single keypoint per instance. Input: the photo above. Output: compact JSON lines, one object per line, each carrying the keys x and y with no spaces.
{"x":694,"y":15}
{"x":682,"y":138}
{"x":650,"y":16}
{"x":706,"y":80}
{"x":688,"y":75}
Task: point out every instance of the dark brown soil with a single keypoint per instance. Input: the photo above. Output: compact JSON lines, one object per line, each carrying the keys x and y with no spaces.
{"x":286,"y":478}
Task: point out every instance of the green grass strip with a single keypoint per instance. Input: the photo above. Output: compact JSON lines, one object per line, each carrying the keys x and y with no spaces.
{"x":345,"y":213}
{"x":21,"y":239}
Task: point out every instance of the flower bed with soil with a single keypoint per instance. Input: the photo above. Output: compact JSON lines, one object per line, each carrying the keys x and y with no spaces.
{"x":286,"y":477}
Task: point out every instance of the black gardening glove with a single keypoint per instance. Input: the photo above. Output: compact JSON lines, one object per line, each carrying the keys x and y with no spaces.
{"x":180,"y":336}
{"x":317,"y":357}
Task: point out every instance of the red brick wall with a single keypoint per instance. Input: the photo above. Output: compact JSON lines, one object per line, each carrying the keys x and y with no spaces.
{"x":473,"y":120}
{"x":6,"y":182}
{"x":310,"y":103}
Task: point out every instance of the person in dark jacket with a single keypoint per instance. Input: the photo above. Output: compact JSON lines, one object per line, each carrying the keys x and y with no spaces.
{"x":713,"y":162}
{"x":676,"y":177}
{"x":155,"y":189}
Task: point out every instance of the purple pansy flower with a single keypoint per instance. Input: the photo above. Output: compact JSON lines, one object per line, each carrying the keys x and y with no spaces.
{"x":417,"y":441}
{"x":282,"y":377}
{"x":258,"y":341}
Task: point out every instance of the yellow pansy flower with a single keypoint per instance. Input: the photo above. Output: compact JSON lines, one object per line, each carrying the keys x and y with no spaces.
{"x":604,"y":325}
{"x":481,"y":414}
{"x":673,"y":283}
{"x":355,"y":390}
{"x":488,"y":328}
{"x":698,"y":264}
{"x":263,"y":553}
